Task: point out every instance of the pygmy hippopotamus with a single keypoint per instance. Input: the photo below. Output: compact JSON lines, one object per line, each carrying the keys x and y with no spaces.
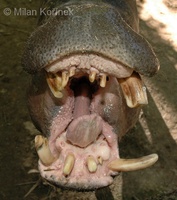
{"x":86,"y":60}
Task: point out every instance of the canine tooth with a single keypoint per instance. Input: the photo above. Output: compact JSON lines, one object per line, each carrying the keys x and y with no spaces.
{"x":134,"y":90}
{"x":103,"y":80}
{"x":133,"y":164}
{"x":72,"y":72}
{"x":65,"y":78}
{"x":43,"y":150}
{"x":91,"y":164}
{"x":69,"y":164}
{"x":92,"y":76}
{"x":55,"y":84}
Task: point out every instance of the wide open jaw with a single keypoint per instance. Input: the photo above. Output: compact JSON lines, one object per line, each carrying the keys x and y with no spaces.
{"x":84,"y":152}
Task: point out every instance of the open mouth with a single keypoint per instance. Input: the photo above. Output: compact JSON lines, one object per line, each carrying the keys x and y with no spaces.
{"x":82,"y":150}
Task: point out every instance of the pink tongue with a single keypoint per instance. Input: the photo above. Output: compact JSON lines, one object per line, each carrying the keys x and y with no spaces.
{"x":85,"y":128}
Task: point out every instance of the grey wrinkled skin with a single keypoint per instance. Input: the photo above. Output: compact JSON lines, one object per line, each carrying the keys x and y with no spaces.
{"x":105,"y":28}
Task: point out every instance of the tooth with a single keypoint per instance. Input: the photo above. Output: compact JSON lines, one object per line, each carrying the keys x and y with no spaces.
{"x":92,"y":76}
{"x":42,"y":148}
{"x":55,"y":84}
{"x":91,"y":164}
{"x":100,"y":160}
{"x":72,"y":72}
{"x":69,"y":164}
{"x":103,"y":80}
{"x":134,"y":90}
{"x":133,"y":164}
{"x":65,"y":78}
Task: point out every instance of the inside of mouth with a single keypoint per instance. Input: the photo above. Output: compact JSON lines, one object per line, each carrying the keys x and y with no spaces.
{"x":87,"y":137}
{"x":82,"y":143}
{"x":85,"y":127}
{"x":83,"y":91}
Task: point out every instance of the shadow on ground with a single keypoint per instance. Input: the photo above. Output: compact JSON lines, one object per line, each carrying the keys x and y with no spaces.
{"x":161,"y":178}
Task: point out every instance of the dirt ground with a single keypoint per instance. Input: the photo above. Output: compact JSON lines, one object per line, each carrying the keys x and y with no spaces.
{"x":156,"y":130}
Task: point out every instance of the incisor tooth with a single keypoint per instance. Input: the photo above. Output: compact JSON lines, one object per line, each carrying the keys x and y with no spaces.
{"x":43,"y":151}
{"x":100,"y":160}
{"x":65,"y":78}
{"x":69,"y":164}
{"x":72,"y":72}
{"x":91,"y":164}
{"x":55,"y":84}
{"x":92,"y":76}
{"x":133,"y":164}
{"x":103,"y":80}
{"x":134,"y":90}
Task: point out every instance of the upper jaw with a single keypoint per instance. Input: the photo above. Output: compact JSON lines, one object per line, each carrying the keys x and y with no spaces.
{"x":96,"y":68}
{"x":88,"y":63}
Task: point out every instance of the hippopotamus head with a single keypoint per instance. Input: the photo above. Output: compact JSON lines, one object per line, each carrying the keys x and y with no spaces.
{"x":86,"y":90}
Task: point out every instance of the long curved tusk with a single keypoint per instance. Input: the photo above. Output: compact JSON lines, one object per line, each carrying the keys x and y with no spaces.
{"x":126,"y":165}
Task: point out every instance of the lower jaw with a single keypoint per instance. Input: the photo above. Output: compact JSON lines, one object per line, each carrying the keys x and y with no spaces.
{"x":79,"y":182}
{"x":81,"y":169}
{"x":80,"y":176}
